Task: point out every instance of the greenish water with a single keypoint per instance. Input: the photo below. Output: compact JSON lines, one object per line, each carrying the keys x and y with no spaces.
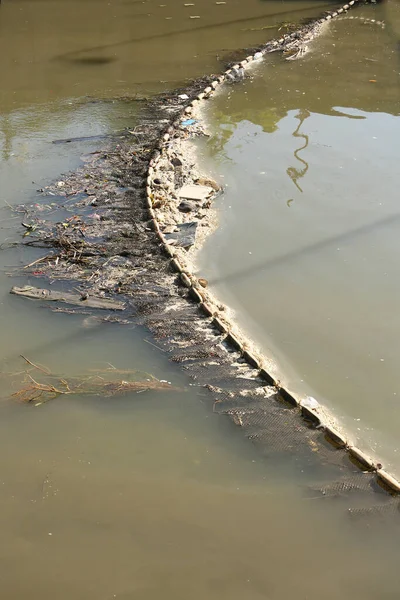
{"x":151,"y":494}
{"x":306,"y":251}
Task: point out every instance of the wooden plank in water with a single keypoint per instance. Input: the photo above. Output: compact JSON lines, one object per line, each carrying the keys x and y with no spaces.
{"x":67,"y":297}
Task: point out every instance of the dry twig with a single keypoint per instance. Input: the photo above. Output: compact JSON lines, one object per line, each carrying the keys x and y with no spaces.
{"x":40,"y":368}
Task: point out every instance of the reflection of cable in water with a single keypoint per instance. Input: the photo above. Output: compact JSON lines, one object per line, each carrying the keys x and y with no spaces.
{"x":293,"y":173}
{"x":310,"y":250}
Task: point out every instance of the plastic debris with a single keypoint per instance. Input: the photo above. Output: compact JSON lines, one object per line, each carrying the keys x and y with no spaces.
{"x":184,"y":236}
{"x":195,"y":192}
{"x":310,"y":402}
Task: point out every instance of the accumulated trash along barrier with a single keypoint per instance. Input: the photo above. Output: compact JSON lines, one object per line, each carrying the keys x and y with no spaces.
{"x":139,"y":210}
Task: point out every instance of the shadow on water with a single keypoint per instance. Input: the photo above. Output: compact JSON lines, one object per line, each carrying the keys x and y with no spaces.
{"x":93,"y":61}
{"x":299,"y":253}
{"x":69,"y":56}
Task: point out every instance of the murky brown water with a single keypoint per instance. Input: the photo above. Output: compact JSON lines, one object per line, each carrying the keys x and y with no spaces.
{"x":53,"y":49}
{"x":150,"y":494}
{"x":309,"y":223}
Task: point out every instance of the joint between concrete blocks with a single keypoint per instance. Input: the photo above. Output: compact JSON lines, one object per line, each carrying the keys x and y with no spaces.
{"x":251,"y":359}
{"x":233,"y":341}
{"x":161,"y":236}
{"x":267,"y":377}
{"x":310,"y":415}
{"x":195,"y":295}
{"x":169,"y":251}
{"x":361,"y":457}
{"x":185,"y":280}
{"x":176,"y":265}
{"x":155,"y":224}
{"x":389,"y":481}
{"x":335,"y":436}
{"x":288,"y":397}
{"x":207,"y":310}
{"x":219,"y":325}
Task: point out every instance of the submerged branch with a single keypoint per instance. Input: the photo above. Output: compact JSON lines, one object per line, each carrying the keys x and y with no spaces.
{"x":52,"y":386}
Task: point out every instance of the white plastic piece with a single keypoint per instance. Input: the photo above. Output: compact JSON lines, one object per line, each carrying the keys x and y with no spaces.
{"x":195,"y":192}
{"x":310,"y":402}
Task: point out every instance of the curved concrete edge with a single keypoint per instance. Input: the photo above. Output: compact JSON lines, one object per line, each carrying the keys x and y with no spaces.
{"x":311,"y":411}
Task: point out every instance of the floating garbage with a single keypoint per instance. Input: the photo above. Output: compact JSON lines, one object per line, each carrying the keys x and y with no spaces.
{"x":188,"y":122}
{"x":310,"y":402}
{"x":184,"y":236}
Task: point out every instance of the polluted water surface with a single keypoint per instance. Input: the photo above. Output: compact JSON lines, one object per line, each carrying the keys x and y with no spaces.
{"x":136,"y":495}
{"x":305,"y":251}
